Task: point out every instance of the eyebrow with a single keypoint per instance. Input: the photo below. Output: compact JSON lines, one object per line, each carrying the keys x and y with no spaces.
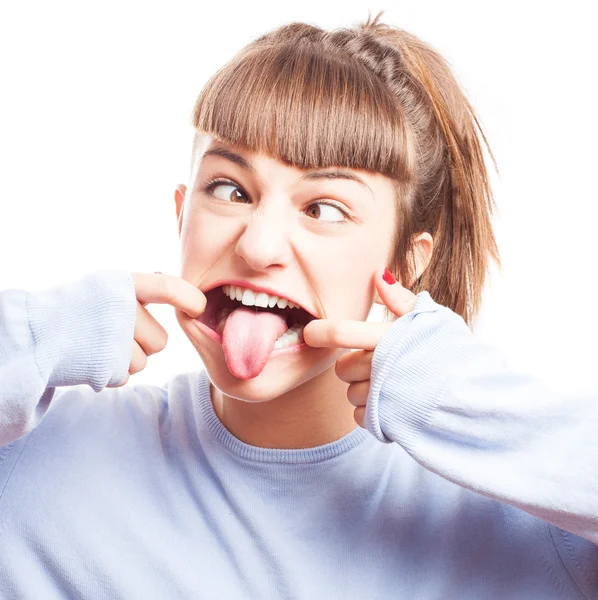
{"x":330,"y":173}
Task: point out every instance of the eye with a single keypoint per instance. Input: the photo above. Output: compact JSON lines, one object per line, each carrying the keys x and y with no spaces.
{"x":327,"y":210}
{"x":235,"y":193}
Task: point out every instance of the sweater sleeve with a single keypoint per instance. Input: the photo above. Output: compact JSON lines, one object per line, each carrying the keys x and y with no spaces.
{"x":76,"y":333}
{"x":454,"y":405}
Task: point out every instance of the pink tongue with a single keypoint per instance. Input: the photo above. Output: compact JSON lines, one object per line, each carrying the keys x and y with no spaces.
{"x":248,"y":339}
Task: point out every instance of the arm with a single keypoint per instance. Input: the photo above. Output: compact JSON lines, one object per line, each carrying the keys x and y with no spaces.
{"x":76,"y":333}
{"x":457,"y":409}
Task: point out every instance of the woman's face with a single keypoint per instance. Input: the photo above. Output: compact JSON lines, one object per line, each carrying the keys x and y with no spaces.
{"x":313,"y":237}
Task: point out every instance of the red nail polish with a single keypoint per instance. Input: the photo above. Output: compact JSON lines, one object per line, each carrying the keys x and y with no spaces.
{"x":387,"y":276}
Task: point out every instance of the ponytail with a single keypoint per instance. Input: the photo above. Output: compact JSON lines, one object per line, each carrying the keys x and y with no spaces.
{"x":452,"y":199}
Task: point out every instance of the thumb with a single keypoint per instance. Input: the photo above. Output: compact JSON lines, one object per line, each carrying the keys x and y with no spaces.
{"x":389,"y":292}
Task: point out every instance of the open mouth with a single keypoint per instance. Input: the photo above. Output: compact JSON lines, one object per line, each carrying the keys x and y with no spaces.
{"x":219,"y":305}
{"x":251,"y":326}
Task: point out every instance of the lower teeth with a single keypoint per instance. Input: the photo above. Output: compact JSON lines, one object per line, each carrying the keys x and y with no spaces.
{"x":293,"y":335}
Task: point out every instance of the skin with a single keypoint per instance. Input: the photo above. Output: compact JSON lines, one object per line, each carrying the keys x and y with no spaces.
{"x":269,"y":229}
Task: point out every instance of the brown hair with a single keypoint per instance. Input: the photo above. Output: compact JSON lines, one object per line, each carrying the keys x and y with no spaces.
{"x":373,"y":97}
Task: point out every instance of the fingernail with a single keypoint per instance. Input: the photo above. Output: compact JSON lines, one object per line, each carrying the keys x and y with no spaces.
{"x":387,"y":276}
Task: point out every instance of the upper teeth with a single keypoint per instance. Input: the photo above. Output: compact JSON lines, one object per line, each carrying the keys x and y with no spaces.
{"x":251,"y":298}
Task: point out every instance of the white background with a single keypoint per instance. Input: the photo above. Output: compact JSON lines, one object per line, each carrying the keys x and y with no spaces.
{"x":94,"y":136}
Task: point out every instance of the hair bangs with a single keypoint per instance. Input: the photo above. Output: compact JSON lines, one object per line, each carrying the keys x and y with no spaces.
{"x":308,"y":109}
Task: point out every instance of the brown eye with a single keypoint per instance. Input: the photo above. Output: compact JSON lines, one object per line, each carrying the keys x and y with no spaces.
{"x":327,"y":211}
{"x":233,"y":194}
{"x":314,"y":211}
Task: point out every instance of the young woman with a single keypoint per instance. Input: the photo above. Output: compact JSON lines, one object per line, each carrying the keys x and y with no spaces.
{"x":326,"y":164}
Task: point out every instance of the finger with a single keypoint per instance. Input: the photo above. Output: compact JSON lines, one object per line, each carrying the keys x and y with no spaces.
{"x":398,"y":299}
{"x":327,"y":333}
{"x":359,"y":415}
{"x":149,"y":334}
{"x":138,"y":359}
{"x":357,"y":393}
{"x":354,"y":366}
{"x":169,"y":289}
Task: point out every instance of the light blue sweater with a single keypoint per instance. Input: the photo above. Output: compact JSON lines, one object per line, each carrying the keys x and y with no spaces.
{"x":470,"y":482}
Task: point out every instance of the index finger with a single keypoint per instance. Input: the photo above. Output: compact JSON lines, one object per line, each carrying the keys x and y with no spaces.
{"x":169,"y":289}
{"x":328,"y":333}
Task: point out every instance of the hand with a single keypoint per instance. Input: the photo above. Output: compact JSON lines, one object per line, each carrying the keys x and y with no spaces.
{"x":149,"y":336}
{"x":355,"y":367}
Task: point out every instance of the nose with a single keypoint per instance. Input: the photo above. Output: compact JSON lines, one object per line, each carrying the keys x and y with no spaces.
{"x":264,"y":241}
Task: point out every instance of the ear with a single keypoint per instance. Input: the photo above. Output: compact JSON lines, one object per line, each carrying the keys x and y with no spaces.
{"x":421,"y":253}
{"x":179,"y":199}
{"x":423,"y":245}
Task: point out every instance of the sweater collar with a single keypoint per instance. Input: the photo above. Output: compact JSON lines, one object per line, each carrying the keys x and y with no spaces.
{"x":271,"y":455}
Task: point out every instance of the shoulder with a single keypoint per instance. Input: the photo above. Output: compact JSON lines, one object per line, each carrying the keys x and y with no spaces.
{"x":104,"y":431}
{"x":78,"y":415}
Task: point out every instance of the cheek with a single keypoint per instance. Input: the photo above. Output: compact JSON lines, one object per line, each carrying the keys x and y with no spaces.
{"x":348,"y":280}
{"x":204,"y":237}
{"x":362,"y":259}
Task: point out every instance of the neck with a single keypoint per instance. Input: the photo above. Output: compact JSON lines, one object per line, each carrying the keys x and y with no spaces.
{"x":315,"y":413}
